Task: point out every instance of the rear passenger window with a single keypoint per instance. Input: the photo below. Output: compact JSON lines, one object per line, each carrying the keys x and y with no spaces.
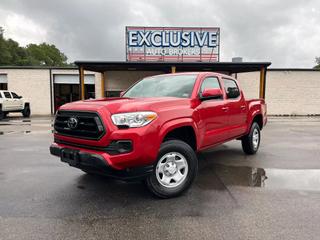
{"x":7,"y":94}
{"x":210,"y":82}
{"x":14,"y":95}
{"x":231,"y":88}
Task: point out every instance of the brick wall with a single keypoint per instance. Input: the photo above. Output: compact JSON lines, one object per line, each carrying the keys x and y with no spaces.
{"x":287,"y":92}
{"x":33,"y":85}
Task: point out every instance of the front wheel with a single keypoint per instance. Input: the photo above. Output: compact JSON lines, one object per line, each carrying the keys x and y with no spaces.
{"x":174,"y":171}
{"x":26,"y":111}
{"x":251,"y":142}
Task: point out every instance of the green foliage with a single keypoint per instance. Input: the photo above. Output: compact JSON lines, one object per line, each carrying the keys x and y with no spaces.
{"x":45,"y":54}
{"x":32,"y":55}
{"x":318,"y":63}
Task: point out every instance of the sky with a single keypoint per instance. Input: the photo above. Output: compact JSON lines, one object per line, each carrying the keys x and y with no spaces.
{"x":286,"y":32}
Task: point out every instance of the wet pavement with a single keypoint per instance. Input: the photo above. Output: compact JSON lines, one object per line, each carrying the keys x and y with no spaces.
{"x":272,"y":195}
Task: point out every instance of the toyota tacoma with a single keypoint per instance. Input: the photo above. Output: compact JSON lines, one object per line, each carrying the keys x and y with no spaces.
{"x":155,"y":129}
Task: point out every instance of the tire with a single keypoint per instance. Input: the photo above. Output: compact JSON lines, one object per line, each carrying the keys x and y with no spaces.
{"x":26,"y":111}
{"x":174,"y":171}
{"x":2,"y":115}
{"x":251,"y":142}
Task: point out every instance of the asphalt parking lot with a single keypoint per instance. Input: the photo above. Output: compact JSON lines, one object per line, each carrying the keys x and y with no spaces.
{"x":272,"y":195}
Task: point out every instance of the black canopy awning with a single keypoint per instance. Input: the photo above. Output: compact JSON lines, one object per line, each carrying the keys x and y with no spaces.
{"x":228,"y":67}
{"x":167,"y":67}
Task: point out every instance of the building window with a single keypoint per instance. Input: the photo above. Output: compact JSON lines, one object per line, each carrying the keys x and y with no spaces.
{"x":3,"y":86}
{"x":113,"y":93}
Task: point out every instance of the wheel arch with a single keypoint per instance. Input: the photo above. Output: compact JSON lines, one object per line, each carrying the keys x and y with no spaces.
{"x":258,"y":118}
{"x":180,"y":129}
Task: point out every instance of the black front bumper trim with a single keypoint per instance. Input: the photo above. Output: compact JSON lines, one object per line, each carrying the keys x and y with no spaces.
{"x":114,"y":148}
{"x":97,"y":164}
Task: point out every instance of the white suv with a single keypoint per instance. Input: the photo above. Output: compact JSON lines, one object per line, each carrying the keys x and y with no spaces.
{"x":11,"y":102}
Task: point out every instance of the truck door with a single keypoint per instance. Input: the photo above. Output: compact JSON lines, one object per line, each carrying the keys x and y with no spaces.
{"x":17,"y":101}
{"x":213,"y":114}
{"x":7,"y":101}
{"x":236,"y":107}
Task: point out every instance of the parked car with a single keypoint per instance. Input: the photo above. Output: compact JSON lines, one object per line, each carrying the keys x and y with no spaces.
{"x":12,"y":102}
{"x":155,"y":129}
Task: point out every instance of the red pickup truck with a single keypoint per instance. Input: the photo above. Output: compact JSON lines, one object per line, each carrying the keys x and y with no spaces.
{"x":154,"y":130}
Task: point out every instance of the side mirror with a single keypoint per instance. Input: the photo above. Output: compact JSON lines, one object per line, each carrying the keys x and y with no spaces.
{"x":211,"y":93}
{"x":121,"y":93}
{"x":233,"y":92}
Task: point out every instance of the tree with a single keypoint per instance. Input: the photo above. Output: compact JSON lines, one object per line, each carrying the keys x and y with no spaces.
{"x":318,"y":63}
{"x":43,"y":54}
{"x":18,"y":55}
{"x":5,"y":54}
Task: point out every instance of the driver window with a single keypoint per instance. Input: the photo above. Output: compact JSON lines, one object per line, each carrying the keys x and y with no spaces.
{"x":210,"y":82}
{"x":7,"y":95}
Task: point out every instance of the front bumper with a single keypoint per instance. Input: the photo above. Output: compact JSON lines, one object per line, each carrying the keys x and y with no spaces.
{"x":96,"y":163}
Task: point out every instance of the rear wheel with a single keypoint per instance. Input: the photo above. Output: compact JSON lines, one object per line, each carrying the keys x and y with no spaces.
{"x":251,"y":142}
{"x":26,"y":111}
{"x":174,"y":171}
{"x":2,"y":115}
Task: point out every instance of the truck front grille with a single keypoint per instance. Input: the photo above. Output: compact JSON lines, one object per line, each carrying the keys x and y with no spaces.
{"x":86,"y":125}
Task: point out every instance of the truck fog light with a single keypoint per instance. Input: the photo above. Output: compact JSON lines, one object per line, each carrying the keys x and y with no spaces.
{"x":119,"y":146}
{"x":124,"y":146}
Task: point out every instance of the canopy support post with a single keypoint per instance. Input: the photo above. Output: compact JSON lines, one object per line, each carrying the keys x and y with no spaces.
{"x":81,"y":78}
{"x":103,"y":83}
{"x":262,"y":92}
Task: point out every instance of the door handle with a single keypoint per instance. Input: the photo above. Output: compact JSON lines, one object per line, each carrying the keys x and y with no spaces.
{"x":225,"y":109}
{"x":243,"y":107}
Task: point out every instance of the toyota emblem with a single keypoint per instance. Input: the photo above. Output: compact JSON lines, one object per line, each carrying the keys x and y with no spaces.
{"x":72,"y":122}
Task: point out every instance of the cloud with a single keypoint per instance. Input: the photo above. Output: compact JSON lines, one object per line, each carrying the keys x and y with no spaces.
{"x":284,"y":32}
{"x":23,"y":30}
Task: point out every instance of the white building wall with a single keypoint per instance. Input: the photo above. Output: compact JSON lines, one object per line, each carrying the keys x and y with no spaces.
{"x":97,"y":86}
{"x":71,"y":72}
{"x":33,"y":85}
{"x":287,"y":92}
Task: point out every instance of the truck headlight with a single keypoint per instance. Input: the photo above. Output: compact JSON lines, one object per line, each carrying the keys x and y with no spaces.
{"x":133,"y":119}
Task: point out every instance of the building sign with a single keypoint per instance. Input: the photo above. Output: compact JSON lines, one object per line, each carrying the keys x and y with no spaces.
{"x":172,"y":44}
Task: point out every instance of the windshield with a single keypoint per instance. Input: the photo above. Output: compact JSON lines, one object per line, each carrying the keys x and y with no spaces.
{"x":163,"y":86}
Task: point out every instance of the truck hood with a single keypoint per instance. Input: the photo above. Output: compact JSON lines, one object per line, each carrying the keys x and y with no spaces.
{"x":119,"y":105}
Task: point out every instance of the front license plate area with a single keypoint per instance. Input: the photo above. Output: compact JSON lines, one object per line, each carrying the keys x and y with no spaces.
{"x":70,"y":156}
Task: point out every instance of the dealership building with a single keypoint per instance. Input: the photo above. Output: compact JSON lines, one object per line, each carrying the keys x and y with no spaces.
{"x":287,"y":91}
